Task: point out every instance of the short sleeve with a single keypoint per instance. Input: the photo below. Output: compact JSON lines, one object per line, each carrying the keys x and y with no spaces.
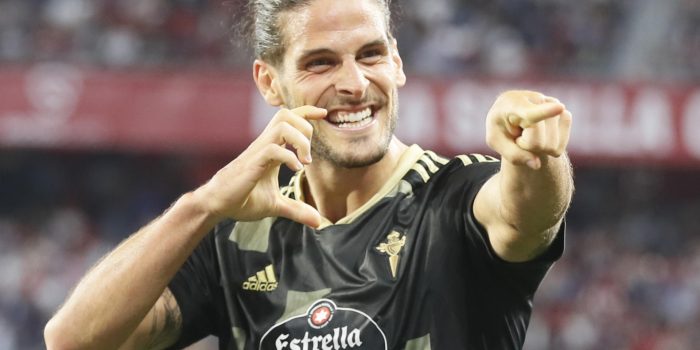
{"x":199,"y":295}
{"x":526,"y":275}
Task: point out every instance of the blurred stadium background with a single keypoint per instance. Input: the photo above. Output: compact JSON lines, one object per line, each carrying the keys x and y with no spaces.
{"x":110,"y":109}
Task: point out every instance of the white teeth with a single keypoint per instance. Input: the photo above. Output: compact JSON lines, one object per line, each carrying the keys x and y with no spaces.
{"x":362,"y":122}
{"x":344,"y":117}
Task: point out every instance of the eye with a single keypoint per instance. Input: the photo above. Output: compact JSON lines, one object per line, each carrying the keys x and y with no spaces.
{"x":319,"y":65}
{"x":370,"y":56}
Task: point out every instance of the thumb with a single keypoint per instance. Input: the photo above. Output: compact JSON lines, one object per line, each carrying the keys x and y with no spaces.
{"x":300,"y":212}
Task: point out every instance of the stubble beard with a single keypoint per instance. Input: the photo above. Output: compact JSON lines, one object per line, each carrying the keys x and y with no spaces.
{"x":322,"y":149}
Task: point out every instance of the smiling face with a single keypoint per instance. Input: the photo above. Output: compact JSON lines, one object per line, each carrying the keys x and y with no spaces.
{"x":340,"y":57}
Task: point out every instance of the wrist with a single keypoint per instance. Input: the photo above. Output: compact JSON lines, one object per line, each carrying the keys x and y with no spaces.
{"x":199,"y":204}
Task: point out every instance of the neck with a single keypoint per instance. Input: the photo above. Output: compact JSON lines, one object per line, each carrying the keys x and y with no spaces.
{"x":336,"y":192}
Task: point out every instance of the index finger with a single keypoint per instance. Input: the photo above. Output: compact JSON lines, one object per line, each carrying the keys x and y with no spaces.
{"x":540,"y":112}
{"x":310,"y":112}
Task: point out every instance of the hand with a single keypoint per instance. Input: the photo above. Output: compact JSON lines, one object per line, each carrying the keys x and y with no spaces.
{"x":525,"y":126}
{"x":247,"y":189}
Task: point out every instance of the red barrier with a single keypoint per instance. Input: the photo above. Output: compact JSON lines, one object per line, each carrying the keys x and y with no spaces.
{"x":59,"y":106}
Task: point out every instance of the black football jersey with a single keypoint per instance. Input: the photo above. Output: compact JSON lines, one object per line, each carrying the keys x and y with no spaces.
{"x":410,"y":269}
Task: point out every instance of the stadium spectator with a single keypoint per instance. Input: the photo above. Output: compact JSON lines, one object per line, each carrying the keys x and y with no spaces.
{"x":495,"y":37}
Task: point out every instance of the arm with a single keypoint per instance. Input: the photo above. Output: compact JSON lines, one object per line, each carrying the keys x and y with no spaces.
{"x":125,"y":291}
{"x":160,"y":328}
{"x":522,"y":207}
{"x":123,"y":300}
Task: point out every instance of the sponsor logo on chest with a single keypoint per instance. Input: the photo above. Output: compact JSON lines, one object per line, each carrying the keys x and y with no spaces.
{"x":325,"y":327}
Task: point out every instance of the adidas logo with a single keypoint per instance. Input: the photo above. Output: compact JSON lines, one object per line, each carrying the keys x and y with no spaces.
{"x":263,"y":281}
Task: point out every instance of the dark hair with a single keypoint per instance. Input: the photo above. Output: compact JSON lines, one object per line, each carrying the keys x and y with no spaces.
{"x":260,"y":23}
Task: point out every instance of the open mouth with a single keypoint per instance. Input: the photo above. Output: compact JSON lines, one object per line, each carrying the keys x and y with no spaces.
{"x":348,"y":120}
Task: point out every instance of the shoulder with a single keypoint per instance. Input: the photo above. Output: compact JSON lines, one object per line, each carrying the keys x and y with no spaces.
{"x":461,"y":168}
{"x":449,"y":182}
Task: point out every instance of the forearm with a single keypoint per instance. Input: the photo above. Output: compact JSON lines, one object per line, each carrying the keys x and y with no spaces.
{"x":112,"y":299}
{"x":533,"y":201}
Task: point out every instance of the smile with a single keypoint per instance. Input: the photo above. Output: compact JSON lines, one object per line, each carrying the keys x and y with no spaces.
{"x":348,"y":120}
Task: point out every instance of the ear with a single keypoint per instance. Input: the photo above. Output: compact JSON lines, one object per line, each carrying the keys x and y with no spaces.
{"x":400,"y":75}
{"x":266,"y":79}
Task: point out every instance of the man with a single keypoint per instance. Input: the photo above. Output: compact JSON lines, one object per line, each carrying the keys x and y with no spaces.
{"x":373,"y":245}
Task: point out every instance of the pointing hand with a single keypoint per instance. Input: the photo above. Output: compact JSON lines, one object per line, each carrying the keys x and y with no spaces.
{"x":525,"y":126}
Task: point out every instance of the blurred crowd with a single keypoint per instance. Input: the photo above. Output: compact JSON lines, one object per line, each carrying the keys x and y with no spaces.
{"x":61,"y":212}
{"x":629,"y":279}
{"x":494,"y":37}
{"x":630,"y":275}
{"x":511,"y":38}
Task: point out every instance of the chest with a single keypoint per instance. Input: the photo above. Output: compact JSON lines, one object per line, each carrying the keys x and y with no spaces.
{"x":371,"y":281}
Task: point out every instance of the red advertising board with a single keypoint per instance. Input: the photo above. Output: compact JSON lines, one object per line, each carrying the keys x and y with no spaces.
{"x":60,"y":106}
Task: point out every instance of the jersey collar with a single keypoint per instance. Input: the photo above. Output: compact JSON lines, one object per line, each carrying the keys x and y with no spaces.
{"x":409,"y":157}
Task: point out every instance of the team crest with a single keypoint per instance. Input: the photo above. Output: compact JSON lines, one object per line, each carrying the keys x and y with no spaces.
{"x":392,"y":247}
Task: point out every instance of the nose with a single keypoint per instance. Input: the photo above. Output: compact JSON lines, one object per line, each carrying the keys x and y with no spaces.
{"x":351,"y":80}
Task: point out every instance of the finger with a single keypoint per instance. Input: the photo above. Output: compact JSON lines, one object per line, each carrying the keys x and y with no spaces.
{"x":310,"y":112}
{"x":299,"y":211}
{"x":551,"y":126}
{"x":564,"y":131}
{"x":286,"y":134}
{"x":295,"y":120}
{"x":534,"y":138}
{"x":276,"y":154}
{"x":536,"y":113}
{"x":510,"y":151}
{"x":541,"y":138}
{"x":551,"y":99}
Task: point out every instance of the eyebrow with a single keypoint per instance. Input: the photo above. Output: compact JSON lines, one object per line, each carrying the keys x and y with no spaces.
{"x":323,"y":50}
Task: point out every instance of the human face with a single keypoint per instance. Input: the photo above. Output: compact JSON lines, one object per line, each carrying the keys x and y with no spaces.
{"x":340,"y":57}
